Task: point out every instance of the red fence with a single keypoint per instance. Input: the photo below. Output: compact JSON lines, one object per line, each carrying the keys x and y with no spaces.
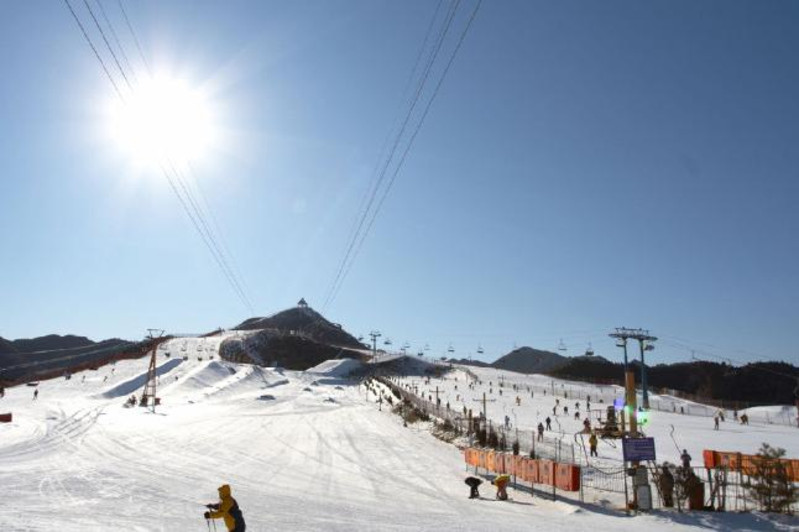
{"x":565,"y":477}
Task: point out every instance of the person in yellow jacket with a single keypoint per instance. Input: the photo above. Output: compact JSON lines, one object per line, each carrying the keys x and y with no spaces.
{"x":592,"y":441}
{"x":501,"y":482}
{"x":228,"y":509}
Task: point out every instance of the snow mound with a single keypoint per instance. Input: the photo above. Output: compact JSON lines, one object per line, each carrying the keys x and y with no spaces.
{"x":205,"y":376}
{"x":340,"y":367}
{"x":131,"y":385}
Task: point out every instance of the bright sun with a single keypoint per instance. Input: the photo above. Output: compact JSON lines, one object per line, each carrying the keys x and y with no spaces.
{"x":163,"y":119}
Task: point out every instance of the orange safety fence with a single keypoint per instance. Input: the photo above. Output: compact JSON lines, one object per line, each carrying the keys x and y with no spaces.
{"x":565,"y":477}
{"x":746,"y":463}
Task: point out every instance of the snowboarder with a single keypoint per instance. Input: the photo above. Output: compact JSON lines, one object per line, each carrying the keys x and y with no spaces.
{"x":501,"y":482}
{"x":540,"y":431}
{"x":592,"y":441}
{"x":227,"y":509}
{"x":549,"y":423}
{"x":686,"y":459}
{"x":473,"y":483}
{"x":667,"y":487}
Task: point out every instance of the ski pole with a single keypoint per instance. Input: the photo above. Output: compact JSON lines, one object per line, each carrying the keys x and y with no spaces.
{"x":208,"y":524}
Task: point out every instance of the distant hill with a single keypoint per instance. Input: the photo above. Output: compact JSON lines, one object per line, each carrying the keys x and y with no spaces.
{"x":50,"y":343}
{"x":6,"y":346}
{"x":30,"y":358}
{"x":305,"y":322}
{"x":528,"y":360}
{"x":758,"y":383}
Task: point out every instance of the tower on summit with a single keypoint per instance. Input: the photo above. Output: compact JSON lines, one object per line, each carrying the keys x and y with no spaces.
{"x":302,"y":303}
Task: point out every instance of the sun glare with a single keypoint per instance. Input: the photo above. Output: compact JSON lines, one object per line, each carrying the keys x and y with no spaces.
{"x":163,"y":119}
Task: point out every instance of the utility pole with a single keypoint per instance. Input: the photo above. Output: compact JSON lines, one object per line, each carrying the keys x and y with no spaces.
{"x":484,"y":401}
{"x":644,"y":342}
{"x":622,"y":334}
{"x":374,"y":335}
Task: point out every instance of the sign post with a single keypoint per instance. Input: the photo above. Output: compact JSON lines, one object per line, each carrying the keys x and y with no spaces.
{"x":638,"y":449}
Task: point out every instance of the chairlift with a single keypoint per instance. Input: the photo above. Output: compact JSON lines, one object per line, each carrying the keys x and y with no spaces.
{"x":561,"y":346}
{"x":649,"y":347}
{"x":480,"y":350}
{"x":450,"y":349}
{"x":387,"y":341}
{"x":590,"y":351}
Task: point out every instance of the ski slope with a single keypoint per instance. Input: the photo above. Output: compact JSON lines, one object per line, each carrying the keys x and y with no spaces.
{"x":300,"y":453}
{"x":672,"y":431}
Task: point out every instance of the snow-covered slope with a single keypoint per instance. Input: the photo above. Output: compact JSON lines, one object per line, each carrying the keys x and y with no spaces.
{"x":672,"y":430}
{"x":316,"y":457}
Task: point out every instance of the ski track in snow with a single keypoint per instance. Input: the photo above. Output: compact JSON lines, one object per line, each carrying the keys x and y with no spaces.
{"x":76,"y":460}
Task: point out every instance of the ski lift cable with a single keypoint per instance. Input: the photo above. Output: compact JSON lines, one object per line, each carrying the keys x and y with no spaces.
{"x":209,"y":239}
{"x":378,"y":178}
{"x":409,"y":144}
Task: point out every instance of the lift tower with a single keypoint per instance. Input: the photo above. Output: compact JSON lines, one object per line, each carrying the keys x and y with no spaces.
{"x":148,"y":397}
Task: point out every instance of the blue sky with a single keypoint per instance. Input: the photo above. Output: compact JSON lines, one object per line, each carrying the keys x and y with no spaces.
{"x":586,"y":165}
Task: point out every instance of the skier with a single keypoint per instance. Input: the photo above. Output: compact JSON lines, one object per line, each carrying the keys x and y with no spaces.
{"x":35,"y":394}
{"x":473,"y":483}
{"x":540,"y":431}
{"x":227,"y":509}
{"x":686,"y":459}
{"x":507,"y":422}
{"x":577,"y":415}
{"x":667,"y":487}
{"x":554,"y":410}
{"x":586,"y":425}
{"x":592,"y":441}
{"x":716,"y":423}
{"x":501,"y":482}
{"x":565,"y":409}
{"x":2,"y":391}
{"x":549,"y":423}
{"x":744,"y":419}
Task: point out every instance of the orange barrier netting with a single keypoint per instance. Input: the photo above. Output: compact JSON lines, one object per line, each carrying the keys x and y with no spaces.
{"x":745,"y":463}
{"x":565,"y":477}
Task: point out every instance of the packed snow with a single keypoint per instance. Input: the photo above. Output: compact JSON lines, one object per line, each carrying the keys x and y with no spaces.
{"x":540,"y":397}
{"x":315,"y":456}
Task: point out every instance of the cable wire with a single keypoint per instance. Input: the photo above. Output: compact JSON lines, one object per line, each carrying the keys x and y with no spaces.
{"x":397,"y":140}
{"x":407,"y":149}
